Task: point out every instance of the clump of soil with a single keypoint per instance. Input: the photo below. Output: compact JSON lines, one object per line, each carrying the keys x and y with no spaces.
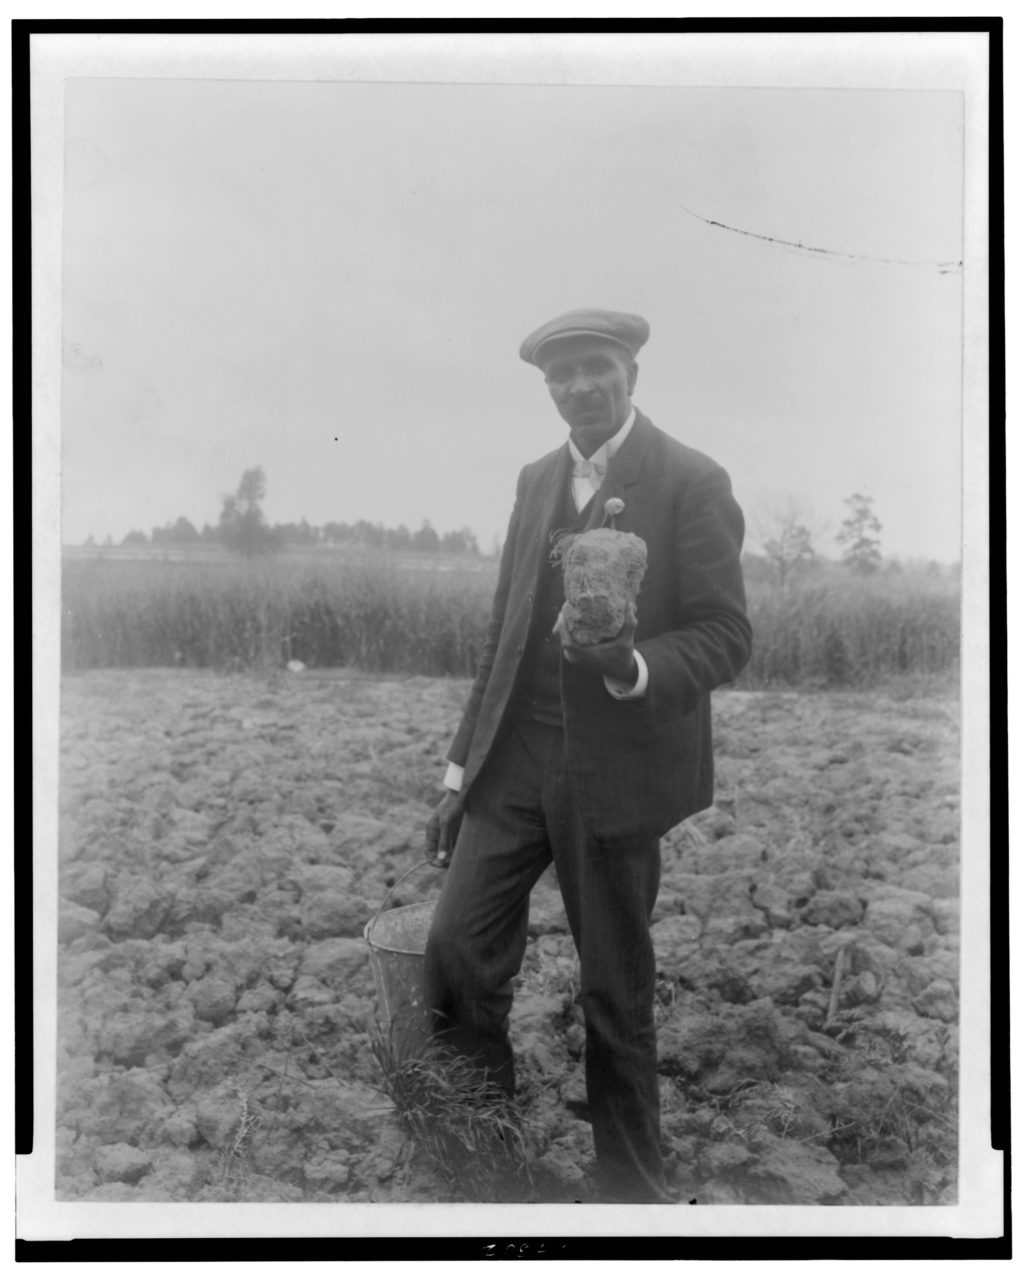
{"x":224,"y":840}
{"x":602,"y":570}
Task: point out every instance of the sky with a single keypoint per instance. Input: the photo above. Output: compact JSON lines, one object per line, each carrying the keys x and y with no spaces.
{"x":331,"y":280}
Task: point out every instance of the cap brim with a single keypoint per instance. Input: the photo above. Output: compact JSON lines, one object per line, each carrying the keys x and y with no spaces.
{"x":568,"y":333}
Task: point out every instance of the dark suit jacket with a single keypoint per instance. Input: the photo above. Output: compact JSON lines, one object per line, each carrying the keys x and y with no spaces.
{"x":637,"y":767}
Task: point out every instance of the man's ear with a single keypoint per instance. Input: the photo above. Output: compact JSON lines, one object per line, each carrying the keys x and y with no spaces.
{"x":631,"y":373}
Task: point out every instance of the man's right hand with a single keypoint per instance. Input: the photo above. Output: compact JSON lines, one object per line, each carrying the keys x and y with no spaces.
{"x":443,"y":829}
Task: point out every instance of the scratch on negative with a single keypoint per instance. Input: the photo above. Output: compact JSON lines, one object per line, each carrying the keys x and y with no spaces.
{"x":943,"y":267}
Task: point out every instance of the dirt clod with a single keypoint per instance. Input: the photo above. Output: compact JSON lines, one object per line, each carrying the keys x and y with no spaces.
{"x":603,"y":570}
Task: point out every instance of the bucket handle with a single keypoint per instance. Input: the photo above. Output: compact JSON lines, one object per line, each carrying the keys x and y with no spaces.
{"x":393,"y":889}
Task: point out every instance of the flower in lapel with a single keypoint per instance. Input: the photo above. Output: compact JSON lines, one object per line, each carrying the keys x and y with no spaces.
{"x":612,"y":507}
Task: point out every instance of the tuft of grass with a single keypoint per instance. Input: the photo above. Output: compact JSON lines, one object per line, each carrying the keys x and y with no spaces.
{"x":470,"y":1133}
{"x":237,"y":1149}
{"x":889,"y":1114}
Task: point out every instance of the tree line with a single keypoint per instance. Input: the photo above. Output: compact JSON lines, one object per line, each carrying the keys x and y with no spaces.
{"x":784,"y":535}
{"x":243,"y":528}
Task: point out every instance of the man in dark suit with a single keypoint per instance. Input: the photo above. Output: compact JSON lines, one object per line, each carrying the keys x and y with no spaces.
{"x":587,"y":755}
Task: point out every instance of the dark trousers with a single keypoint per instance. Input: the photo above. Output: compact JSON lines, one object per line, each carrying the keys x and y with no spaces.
{"x":521,"y":815}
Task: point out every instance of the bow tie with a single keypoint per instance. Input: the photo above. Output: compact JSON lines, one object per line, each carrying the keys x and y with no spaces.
{"x":594,"y":471}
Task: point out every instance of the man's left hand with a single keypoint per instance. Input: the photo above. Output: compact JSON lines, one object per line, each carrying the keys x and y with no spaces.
{"x":613,"y":658}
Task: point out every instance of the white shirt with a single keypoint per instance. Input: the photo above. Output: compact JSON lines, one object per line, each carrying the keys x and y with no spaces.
{"x":582,"y":491}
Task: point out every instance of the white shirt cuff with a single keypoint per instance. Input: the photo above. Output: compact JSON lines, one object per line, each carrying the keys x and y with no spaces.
{"x":453,"y":777}
{"x":622,"y":691}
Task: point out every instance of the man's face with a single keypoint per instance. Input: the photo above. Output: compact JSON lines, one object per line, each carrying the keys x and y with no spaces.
{"x":591,"y":381}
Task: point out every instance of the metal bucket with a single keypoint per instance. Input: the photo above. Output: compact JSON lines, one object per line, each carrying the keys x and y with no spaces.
{"x":397,"y":940}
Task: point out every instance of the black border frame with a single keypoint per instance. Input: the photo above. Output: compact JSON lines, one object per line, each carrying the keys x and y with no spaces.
{"x":292,"y":1250}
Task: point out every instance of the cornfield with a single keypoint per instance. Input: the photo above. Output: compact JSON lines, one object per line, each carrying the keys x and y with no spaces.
{"x":373,"y":612}
{"x":852,"y":632}
{"x":236,"y":614}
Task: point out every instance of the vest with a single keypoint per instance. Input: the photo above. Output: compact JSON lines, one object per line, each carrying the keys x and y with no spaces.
{"x":541,"y":697}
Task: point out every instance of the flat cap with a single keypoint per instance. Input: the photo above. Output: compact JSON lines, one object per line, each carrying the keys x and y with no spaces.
{"x":630,"y":331}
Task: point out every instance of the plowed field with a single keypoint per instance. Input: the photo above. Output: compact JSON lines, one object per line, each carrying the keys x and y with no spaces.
{"x":224,"y":839}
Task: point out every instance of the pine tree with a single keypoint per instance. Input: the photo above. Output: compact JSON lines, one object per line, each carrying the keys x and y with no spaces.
{"x":242,"y":525}
{"x":858,"y":534}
